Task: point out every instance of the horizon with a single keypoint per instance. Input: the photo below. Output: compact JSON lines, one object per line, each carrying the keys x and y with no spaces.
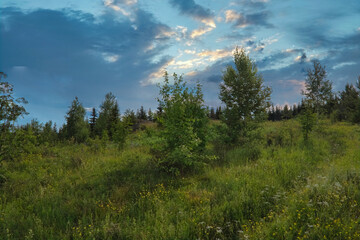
{"x":54,"y":51}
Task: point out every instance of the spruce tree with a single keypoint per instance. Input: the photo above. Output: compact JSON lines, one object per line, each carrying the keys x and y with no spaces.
{"x":76,"y":127}
{"x":92,"y":122}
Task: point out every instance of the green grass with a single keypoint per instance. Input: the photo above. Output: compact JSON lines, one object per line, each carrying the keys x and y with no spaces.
{"x":294,"y":190}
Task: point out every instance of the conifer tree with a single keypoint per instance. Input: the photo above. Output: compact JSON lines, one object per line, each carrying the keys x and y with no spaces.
{"x":76,"y":127}
{"x":109,"y":116}
{"x":92,"y":122}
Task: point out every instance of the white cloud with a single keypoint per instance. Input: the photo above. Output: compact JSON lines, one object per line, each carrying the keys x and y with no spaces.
{"x":209,"y":22}
{"x":192,"y":73}
{"x":190,"y":51}
{"x":111,"y":4}
{"x":110,"y":58}
{"x":340,"y":65}
{"x":130,"y":2}
{"x":199,"y":32}
{"x":215,"y":55}
{"x":231,"y":16}
{"x":296,"y":85}
{"x":181,"y":33}
{"x":164,"y":33}
{"x":188,"y":63}
{"x":156,"y":76}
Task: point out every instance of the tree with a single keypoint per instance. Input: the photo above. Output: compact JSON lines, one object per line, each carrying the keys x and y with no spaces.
{"x":109,"y":115}
{"x":212,"y":113}
{"x":10,"y":107}
{"x":76,"y":127}
{"x":10,"y":110}
{"x":245,"y":97}
{"x":130,"y":119}
{"x":141,"y":114}
{"x":218,"y":113}
{"x":48,"y":134}
{"x":150,"y":115}
{"x":318,"y":90}
{"x":349,"y":103}
{"x":308,"y":121}
{"x":286,"y":112}
{"x":357,"y":113}
{"x":184,"y":120}
{"x":92,"y":122}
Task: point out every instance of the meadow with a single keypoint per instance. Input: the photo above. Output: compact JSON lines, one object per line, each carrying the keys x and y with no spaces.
{"x":281,"y":188}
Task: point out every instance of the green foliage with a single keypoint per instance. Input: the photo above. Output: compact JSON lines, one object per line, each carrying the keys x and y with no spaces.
{"x":183,"y":124}
{"x":76,"y":127}
{"x":349,"y":103}
{"x":245,"y":97}
{"x":290,"y":192}
{"x":120,"y":132}
{"x":318,"y":90}
{"x":308,"y":120}
{"x":130,"y":121}
{"x":10,"y":108}
{"x":109,"y":116}
{"x":17,"y":144}
{"x":48,"y":134}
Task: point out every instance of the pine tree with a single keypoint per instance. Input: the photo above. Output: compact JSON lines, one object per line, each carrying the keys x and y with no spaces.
{"x":76,"y":127}
{"x":212,"y":113}
{"x":218,"y":113}
{"x":141,"y":114}
{"x":349,"y":102}
{"x":286,"y":112}
{"x":109,"y":116}
{"x":92,"y":122}
{"x":150,"y":115}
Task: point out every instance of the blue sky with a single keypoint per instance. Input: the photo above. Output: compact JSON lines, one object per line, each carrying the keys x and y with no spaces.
{"x":53,"y":50}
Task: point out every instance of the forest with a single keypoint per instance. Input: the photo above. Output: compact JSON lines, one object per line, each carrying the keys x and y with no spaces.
{"x":244,"y":170}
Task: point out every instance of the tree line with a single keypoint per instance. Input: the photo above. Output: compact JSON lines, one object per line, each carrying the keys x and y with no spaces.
{"x":183,"y":118}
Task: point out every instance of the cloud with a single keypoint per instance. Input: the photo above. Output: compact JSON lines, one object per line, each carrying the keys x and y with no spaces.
{"x":126,"y":2}
{"x":66,"y":53}
{"x":232,"y":16}
{"x":194,"y":10}
{"x":215,"y":55}
{"x":301,"y":58}
{"x":343,"y":64}
{"x":199,"y":32}
{"x":244,"y":20}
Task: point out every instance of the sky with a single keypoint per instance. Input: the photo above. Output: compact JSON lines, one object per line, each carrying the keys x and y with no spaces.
{"x":54,"y":50}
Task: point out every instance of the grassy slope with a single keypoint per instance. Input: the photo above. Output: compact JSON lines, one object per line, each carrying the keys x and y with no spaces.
{"x":293,"y":191}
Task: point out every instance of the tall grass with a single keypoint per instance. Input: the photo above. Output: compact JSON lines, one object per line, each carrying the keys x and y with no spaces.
{"x":292,"y":190}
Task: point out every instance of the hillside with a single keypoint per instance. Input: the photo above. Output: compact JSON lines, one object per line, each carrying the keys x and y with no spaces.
{"x":282,"y":188}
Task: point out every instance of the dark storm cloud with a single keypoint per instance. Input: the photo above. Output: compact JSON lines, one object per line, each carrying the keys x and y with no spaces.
{"x":52,"y":56}
{"x":192,"y":9}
